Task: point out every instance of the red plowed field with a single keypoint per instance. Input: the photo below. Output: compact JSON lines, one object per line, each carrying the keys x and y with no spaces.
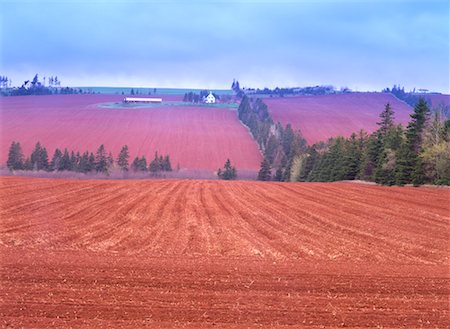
{"x":437,"y":100}
{"x":214,"y":254}
{"x":322,"y":117}
{"x":195,"y":137}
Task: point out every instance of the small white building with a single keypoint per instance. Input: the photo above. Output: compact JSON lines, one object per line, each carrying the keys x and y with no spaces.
{"x":142,"y":100}
{"x":210,"y":99}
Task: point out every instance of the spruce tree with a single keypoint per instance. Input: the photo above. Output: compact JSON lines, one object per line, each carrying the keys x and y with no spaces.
{"x":39,"y":158}
{"x":229,"y":172}
{"x":161,"y":163}
{"x":271,"y":148}
{"x":336,"y":160}
{"x":154,"y":165}
{"x":91,"y":162}
{"x":109,"y":161}
{"x":410,"y":168}
{"x":167,"y":164}
{"x":278,"y":174}
{"x":55,"y":163}
{"x":84,"y":165}
{"x":264,"y":173}
{"x":139,"y":164}
{"x":122,"y":160}
{"x":143,"y":164}
{"x":73,"y":161}
{"x":370,"y":156}
{"x":101,"y":160}
{"x":65,"y":161}
{"x":386,"y":120}
{"x":35,"y":156}
{"x":135,"y":164}
{"x":244,"y":109}
{"x":27,"y":165}
{"x":308,"y":164}
{"x":352,"y":158}
{"x":15,"y":157}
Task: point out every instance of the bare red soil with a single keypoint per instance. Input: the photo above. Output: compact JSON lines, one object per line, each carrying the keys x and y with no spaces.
{"x":323,"y":117}
{"x":215,"y":254}
{"x":194,"y":137}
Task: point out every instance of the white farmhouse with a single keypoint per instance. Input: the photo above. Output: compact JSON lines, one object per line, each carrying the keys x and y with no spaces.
{"x":210,"y":99}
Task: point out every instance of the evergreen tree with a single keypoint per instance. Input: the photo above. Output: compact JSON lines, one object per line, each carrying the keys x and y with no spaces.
{"x":287,"y":139}
{"x":74,"y":161}
{"x":39,"y":158}
{"x":352,"y":158}
{"x":389,"y":157}
{"x":271,"y":148}
{"x":308,"y":164}
{"x":65,"y":161}
{"x":85,"y":165}
{"x":278,"y":175}
{"x":386,"y":120}
{"x":154,"y":165}
{"x":411,"y":169}
{"x":109,"y":160}
{"x":167,"y":166}
{"x":244,"y":109}
{"x":122,"y":160}
{"x":336,"y":160}
{"x":264,"y":173}
{"x":370,"y":156}
{"x":92,"y":162}
{"x":139,"y":164}
{"x":35,"y":156}
{"x":143,"y":164}
{"x":55,"y":164}
{"x":27,"y":165}
{"x":228,"y":173}
{"x":101,"y":160}
{"x":15,"y":157}
{"x":385,"y":170}
{"x":161,"y":163}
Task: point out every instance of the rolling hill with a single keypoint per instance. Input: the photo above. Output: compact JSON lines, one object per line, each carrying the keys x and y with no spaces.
{"x":323,"y":117}
{"x":194,"y":137}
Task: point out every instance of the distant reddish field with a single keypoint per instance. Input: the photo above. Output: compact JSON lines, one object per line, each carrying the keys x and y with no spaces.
{"x":436,"y":100}
{"x":218,"y":254}
{"x":322,"y":117}
{"x":194,"y":137}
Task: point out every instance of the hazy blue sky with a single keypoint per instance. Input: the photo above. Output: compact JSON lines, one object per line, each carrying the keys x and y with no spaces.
{"x":365,"y":45}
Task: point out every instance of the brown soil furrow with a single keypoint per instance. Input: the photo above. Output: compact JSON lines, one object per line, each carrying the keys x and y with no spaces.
{"x":215,"y":254}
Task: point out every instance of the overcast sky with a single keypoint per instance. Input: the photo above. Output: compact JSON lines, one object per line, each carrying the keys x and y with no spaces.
{"x":364,"y":45}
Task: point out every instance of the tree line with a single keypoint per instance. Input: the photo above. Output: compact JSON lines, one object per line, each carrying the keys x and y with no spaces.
{"x":86,"y":162}
{"x":5,"y":82}
{"x":279,"y":144}
{"x":192,"y":97}
{"x":36,"y":87}
{"x":392,"y":155}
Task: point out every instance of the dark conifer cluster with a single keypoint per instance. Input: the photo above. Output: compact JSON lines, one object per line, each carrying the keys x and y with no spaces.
{"x":100,"y":162}
{"x":228,"y":172}
{"x":279,"y":145}
{"x":391,"y":155}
